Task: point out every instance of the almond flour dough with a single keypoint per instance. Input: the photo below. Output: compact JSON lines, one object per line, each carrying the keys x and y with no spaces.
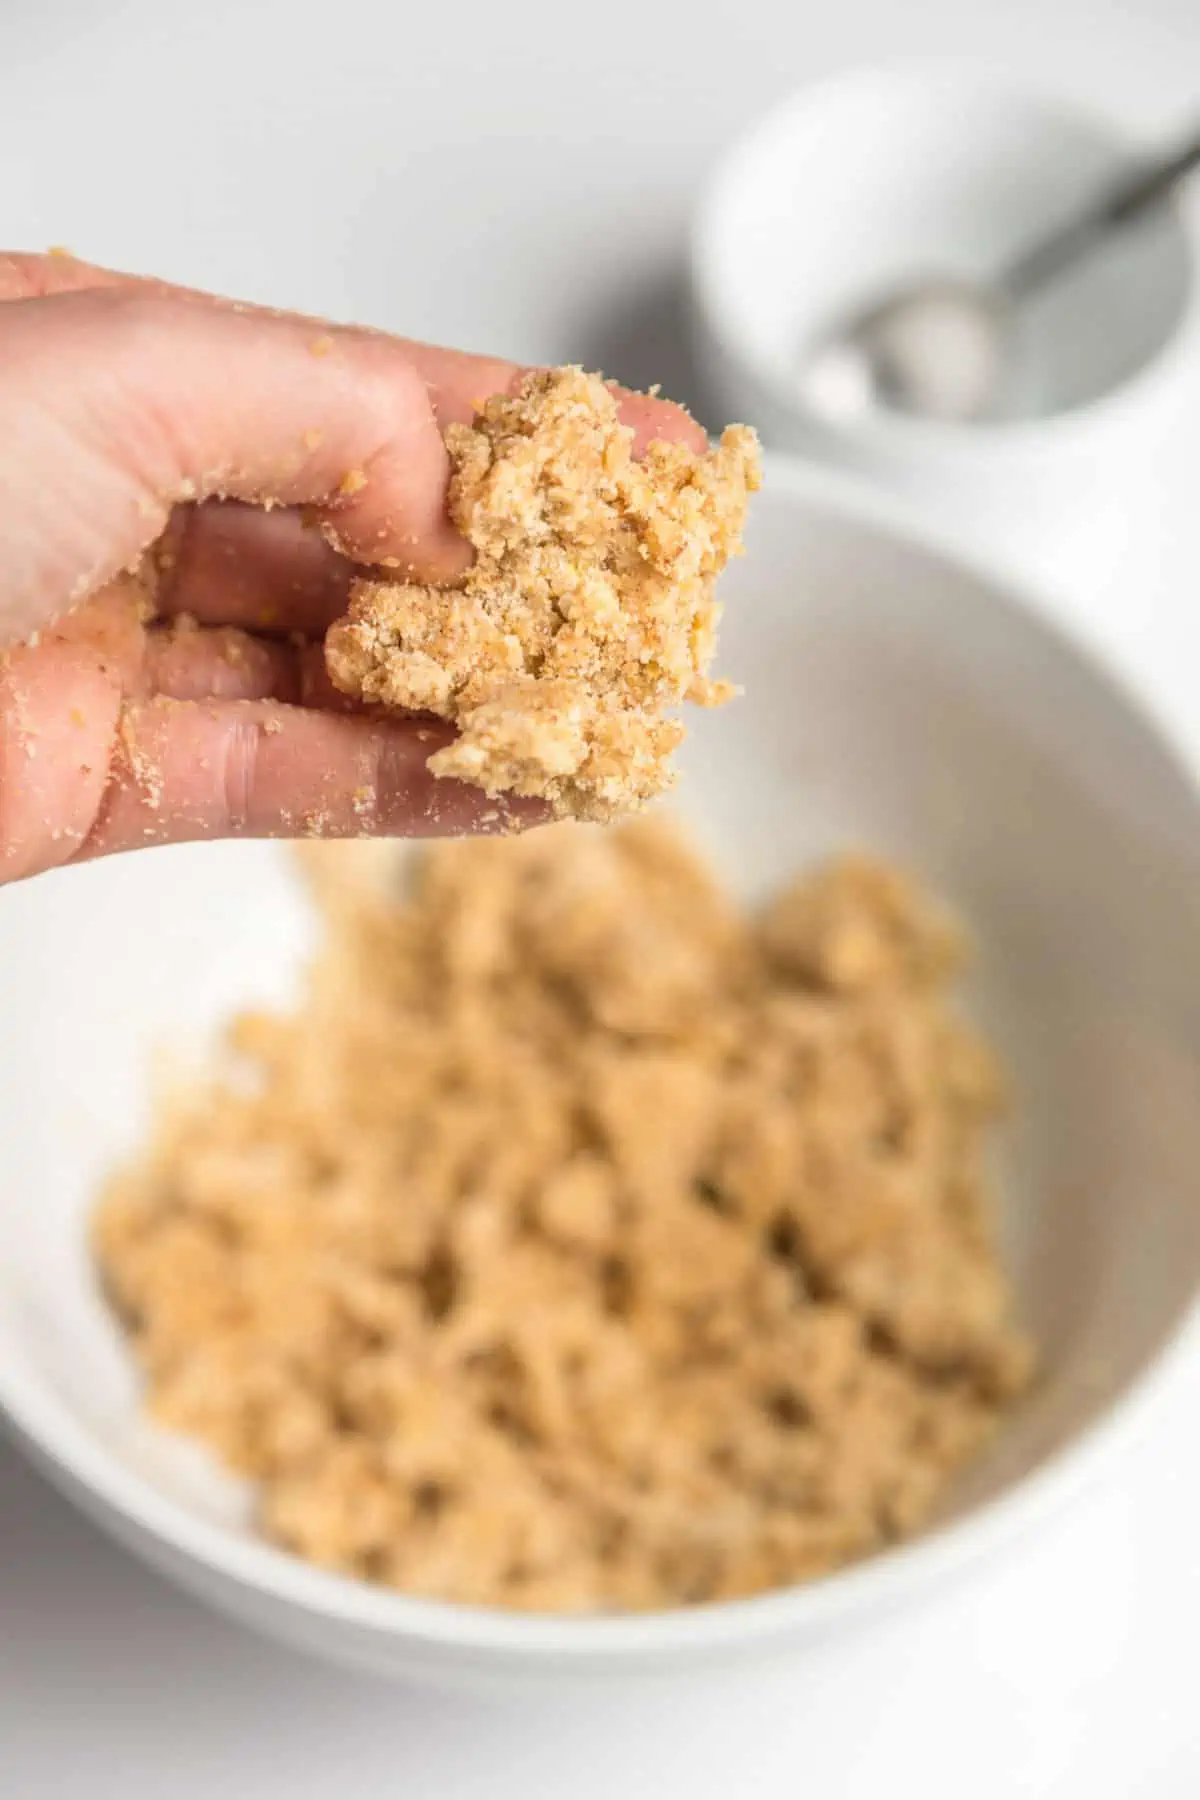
{"x":579,"y":1242}
{"x":588,"y":611}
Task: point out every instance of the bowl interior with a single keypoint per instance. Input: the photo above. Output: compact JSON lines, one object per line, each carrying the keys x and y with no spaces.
{"x":878,"y":178}
{"x":892,"y":700}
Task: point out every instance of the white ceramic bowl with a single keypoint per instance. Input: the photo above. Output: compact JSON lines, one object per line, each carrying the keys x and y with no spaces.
{"x":895,"y":697}
{"x":876,"y":176}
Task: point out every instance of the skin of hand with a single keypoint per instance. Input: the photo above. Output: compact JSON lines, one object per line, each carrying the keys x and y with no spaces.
{"x":186,"y":487}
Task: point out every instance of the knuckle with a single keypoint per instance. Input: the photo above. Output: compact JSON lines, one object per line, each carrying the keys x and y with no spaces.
{"x":240,"y":773}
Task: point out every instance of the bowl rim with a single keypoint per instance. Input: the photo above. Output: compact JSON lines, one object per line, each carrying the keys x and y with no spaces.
{"x":898,"y":436}
{"x":83,"y":1468}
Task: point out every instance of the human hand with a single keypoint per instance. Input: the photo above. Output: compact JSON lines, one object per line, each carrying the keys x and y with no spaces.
{"x":188,"y":698}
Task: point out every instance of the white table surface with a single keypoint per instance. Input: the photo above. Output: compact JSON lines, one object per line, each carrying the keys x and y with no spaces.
{"x":517,"y":178}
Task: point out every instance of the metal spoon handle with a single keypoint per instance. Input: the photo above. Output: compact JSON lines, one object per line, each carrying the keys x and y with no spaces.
{"x":1130,"y":196}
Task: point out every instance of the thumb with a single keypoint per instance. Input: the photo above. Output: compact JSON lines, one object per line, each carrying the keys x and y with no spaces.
{"x":118,"y":403}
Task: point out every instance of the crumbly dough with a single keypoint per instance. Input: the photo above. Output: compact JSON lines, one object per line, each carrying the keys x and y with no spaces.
{"x":587,"y":613}
{"x":580,"y":1242}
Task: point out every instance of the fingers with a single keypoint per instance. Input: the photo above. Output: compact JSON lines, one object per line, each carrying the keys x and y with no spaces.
{"x":129,"y":396}
{"x":130,"y":401}
{"x":232,"y":564}
{"x":459,"y":383}
{"x":458,"y":380}
{"x":59,"y":717}
{"x":261,"y":769}
{"x":84,"y":772}
{"x":185,"y":662}
{"x":228,"y":563}
{"x":124,"y":403}
{"x":654,"y":419}
{"x":178,"y":658}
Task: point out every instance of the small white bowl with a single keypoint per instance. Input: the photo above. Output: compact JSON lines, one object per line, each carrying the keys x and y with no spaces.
{"x":896,"y":697}
{"x":878,"y":176}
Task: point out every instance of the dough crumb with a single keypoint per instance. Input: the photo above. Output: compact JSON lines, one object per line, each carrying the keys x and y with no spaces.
{"x":579,"y":1242}
{"x":587,"y":613}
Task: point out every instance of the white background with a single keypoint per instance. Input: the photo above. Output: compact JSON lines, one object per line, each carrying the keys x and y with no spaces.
{"x":517,"y":178}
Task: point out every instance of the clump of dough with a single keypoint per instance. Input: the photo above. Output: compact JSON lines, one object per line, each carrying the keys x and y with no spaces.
{"x":587,"y":614}
{"x":579,"y":1242}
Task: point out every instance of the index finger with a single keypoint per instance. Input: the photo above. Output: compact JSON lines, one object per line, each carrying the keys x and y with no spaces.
{"x":458,"y":380}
